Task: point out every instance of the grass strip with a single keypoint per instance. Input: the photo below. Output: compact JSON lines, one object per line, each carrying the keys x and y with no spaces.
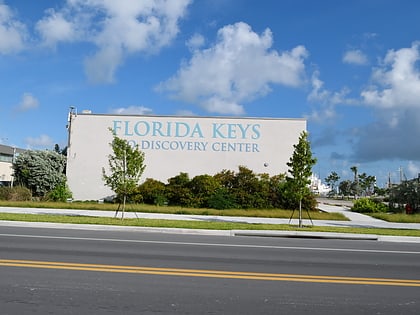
{"x":199,"y":224}
{"x":397,"y":217}
{"x":263,"y":213}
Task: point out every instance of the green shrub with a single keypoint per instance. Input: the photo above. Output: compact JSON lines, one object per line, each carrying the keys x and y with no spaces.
{"x":202,"y":188}
{"x":17,"y":193}
{"x":368,"y":205}
{"x":153,"y":192}
{"x":4,"y":192}
{"x":288,"y":198}
{"x":40,"y":171}
{"x":221,"y":199}
{"x":178,"y":191}
{"x":61,"y":192}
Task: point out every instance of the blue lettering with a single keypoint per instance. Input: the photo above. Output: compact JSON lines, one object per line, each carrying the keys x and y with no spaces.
{"x":197,"y":130}
{"x":182,"y":144}
{"x":243,"y":130}
{"x":117,"y":125}
{"x":165,"y":145}
{"x":168,"y":129}
{"x":174,"y":145}
{"x":232,"y":131}
{"x":157,"y":126}
{"x":178,"y":130}
{"x":256,"y":130}
{"x":138,"y":129}
{"x":216,"y":131}
{"x":127,"y":127}
{"x":200,"y":146}
{"x":145,"y":144}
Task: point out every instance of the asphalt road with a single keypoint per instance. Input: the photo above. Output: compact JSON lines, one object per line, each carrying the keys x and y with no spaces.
{"x":53,"y":271}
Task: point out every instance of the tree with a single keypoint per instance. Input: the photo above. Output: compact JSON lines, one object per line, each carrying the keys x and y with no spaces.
{"x":40,"y":171}
{"x":178,"y":190}
{"x":300,"y":167}
{"x":126,"y":166}
{"x":202,"y":188}
{"x":355,"y":185}
{"x":366,"y":183}
{"x":345,"y":187}
{"x":152,"y":192}
{"x":331,"y":180}
{"x":408,"y":192}
{"x":59,"y":150}
{"x":275,"y":185}
{"x":246,"y":188}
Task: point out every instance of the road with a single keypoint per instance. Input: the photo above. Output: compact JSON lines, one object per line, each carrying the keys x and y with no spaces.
{"x":59,"y":271}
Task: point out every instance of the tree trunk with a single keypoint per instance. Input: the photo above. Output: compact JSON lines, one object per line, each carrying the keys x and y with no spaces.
{"x":123,"y":209}
{"x":300,"y":212}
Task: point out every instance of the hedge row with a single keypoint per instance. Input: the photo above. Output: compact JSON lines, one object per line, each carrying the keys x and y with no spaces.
{"x":225,"y":190}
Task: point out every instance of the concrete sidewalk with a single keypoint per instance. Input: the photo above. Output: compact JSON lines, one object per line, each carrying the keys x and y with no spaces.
{"x":362,"y":220}
{"x":355,"y":220}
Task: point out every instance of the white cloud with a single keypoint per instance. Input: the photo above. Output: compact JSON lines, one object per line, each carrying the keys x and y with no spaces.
{"x":381,"y":140}
{"x":196,"y":41}
{"x":392,"y":99}
{"x":43,"y":141}
{"x":238,"y":67}
{"x":28,"y":102}
{"x":54,"y":28}
{"x":396,"y":83}
{"x":326,"y":99}
{"x":322,"y":115}
{"x":116,"y":28}
{"x":413,"y":169}
{"x":132,"y":110}
{"x":185,"y":112}
{"x":356,"y":57}
{"x":394,"y":95}
{"x":12,"y":32}
{"x":102,"y":66}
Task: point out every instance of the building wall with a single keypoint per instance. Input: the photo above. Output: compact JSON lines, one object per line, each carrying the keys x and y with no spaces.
{"x":194,"y":145}
{"x":6,"y":172}
{"x":7,"y":154}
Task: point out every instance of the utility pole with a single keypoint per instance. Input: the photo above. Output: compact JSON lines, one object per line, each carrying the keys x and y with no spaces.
{"x":72,"y":113}
{"x":13,"y":162}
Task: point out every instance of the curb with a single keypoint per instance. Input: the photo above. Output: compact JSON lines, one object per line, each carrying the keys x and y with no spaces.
{"x":245,"y":233}
{"x":311,"y":235}
{"x":98,"y":227}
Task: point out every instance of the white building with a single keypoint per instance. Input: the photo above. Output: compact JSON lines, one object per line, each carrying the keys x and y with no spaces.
{"x":7,"y":155}
{"x":318,"y":187}
{"x":174,"y":144}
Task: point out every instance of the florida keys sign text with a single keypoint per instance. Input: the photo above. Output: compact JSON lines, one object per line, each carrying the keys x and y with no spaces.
{"x":190,"y":136}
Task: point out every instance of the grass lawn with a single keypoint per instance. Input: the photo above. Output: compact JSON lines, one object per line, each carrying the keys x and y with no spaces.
{"x":214,"y":225}
{"x":398,"y":217}
{"x":265,"y":213}
{"x":198,"y":224}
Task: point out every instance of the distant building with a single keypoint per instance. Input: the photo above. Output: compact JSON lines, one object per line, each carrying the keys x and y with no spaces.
{"x":317,"y":187}
{"x":7,"y":156}
{"x":174,"y":144}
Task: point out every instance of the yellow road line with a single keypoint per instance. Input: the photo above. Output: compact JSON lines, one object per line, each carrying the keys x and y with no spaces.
{"x":208,"y":273}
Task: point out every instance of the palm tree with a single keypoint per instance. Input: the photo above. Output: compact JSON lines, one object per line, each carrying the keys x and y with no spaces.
{"x":355,"y":181}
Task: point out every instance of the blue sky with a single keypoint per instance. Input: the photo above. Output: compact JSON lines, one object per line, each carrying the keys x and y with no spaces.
{"x":350,"y":67}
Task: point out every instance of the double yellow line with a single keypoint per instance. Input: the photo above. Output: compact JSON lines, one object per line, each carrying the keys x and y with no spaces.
{"x":207,"y":273}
